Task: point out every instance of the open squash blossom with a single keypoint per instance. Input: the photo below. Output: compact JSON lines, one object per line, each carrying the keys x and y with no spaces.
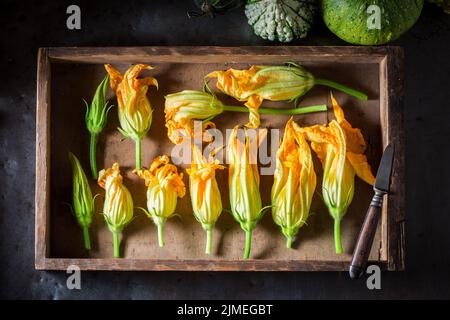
{"x":275,"y":83}
{"x":341,"y":151}
{"x":164,"y":186}
{"x":135,"y":110}
{"x":183,"y":108}
{"x":243,"y":180}
{"x":294,"y":182}
{"x":82,"y":200}
{"x":205,"y":193}
{"x":118,"y":206}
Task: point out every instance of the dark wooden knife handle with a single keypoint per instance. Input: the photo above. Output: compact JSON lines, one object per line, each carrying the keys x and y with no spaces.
{"x":366,"y":235}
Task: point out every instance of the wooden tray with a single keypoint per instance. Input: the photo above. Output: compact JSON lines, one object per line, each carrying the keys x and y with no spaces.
{"x":67,"y":75}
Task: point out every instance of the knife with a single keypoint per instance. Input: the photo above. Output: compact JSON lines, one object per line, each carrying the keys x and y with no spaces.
{"x":367,"y":233}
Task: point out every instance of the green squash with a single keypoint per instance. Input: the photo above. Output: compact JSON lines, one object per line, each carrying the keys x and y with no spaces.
{"x":281,"y":20}
{"x":355,"y":21}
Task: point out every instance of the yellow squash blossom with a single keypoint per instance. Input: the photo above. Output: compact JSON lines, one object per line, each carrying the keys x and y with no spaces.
{"x":118,"y":206}
{"x":243,"y":180}
{"x":275,"y":83}
{"x":294,"y":182}
{"x":205,"y":193}
{"x":164,"y":186}
{"x":340,"y":147}
{"x":135,"y":110}
{"x":183,"y":108}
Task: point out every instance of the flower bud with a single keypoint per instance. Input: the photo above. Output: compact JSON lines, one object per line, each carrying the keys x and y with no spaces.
{"x":164,"y":186}
{"x":82,"y":200}
{"x":97,"y":111}
{"x":243,"y":180}
{"x":118,"y":206}
{"x":205,"y":193}
{"x":95,"y":118}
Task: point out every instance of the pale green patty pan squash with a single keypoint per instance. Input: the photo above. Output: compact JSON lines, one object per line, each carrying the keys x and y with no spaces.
{"x":348,"y":19}
{"x":281,"y":20}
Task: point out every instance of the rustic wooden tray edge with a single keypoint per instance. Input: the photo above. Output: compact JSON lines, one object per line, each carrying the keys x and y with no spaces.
{"x":391,"y":95}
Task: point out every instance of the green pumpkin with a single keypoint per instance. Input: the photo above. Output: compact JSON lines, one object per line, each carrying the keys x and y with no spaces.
{"x":356,"y":21}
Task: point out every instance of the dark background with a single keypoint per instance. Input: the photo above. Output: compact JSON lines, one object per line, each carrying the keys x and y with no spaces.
{"x":27,"y":25}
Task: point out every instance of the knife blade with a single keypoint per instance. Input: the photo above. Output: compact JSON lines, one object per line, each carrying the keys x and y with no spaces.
{"x":382,"y":180}
{"x":367,"y":233}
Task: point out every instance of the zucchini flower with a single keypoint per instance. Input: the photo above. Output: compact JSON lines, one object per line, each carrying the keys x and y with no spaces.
{"x":118,"y":206}
{"x":341,"y":151}
{"x":275,"y":83}
{"x":294,"y":183}
{"x":205,"y":193}
{"x":182,"y":108}
{"x":96,"y":116}
{"x":135,"y":110}
{"x":243,"y":180}
{"x":164,"y":186}
{"x":82,"y":200}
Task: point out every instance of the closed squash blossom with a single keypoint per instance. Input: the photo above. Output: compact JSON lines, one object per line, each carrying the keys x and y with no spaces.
{"x":205,"y":194}
{"x":118,"y":206}
{"x":340,"y":147}
{"x":135,"y":110}
{"x":243,"y":181}
{"x":164,"y":186}
{"x":294,"y":182}
{"x":82,"y":200}
{"x":183,"y":108}
{"x":95,"y":118}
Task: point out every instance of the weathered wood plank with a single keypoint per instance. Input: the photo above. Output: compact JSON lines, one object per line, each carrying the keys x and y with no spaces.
{"x":196,"y":265}
{"x":215,"y":54}
{"x":396,"y":204}
{"x":42,"y":193}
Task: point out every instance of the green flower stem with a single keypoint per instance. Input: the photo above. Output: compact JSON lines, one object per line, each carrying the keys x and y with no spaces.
{"x":116,"y":244}
{"x":248,"y":244}
{"x":138,"y":144}
{"x":293,"y":111}
{"x":92,"y":155}
{"x":86,"y":238}
{"x":337,"y":235}
{"x":289,"y":243}
{"x":160,"y":234}
{"x":328,"y":83}
{"x":208,"y":241}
